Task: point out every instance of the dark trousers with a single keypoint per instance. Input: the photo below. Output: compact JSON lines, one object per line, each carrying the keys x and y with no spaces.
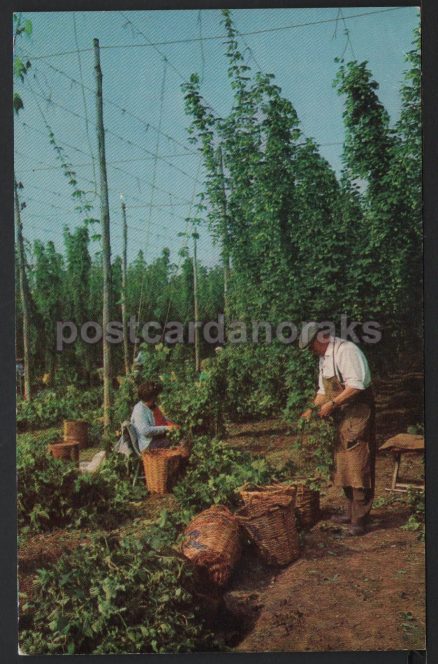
{"x":358,"y":503}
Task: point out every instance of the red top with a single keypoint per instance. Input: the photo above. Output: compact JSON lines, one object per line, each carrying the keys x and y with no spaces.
{"x":160,"y":418}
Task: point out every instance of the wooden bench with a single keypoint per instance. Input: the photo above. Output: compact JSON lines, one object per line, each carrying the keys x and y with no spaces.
{"x":403,"y":443}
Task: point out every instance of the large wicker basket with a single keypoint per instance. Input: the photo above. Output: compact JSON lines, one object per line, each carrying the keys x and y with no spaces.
{"x":270,"y":523}
{"x":250,"y":492}
{"x":161,"y":467}
{"x":212,"y":542}
{"x":307,"y":505}
{"x":67,"y":451}
{"x":76,"y":431}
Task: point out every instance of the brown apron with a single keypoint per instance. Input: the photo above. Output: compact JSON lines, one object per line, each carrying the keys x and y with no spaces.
{"x":355,"y":435}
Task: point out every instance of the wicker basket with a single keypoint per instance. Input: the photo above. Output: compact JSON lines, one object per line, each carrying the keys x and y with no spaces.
{"x":212,"y":542}
{"x":271,"y":525}
{"x":161,"y":467}
{"x":307,"y":505}
{"x":251,"y":492}
{"x":66,"y":451}
{"x":76,"y":431}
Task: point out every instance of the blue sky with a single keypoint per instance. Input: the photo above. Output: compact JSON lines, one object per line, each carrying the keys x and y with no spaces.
{"x":145,"y":80}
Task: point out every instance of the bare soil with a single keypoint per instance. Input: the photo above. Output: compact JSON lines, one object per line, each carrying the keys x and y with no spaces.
{"x":344,"y":593}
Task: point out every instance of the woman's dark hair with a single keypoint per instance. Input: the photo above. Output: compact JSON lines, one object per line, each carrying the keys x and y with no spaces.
{"x":149,"y":390}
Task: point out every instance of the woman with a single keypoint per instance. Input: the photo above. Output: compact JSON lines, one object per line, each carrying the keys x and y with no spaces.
{"x":149,"y":435}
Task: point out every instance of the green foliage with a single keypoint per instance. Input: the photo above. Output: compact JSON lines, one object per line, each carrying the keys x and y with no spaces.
{"x":416,"y":429}
{"x":50,"y":407}
{"x":40,"y":438}
{"x":124,"y":400}
{"x":416,"y":521}
{"x":215,"y":471}
{"x":243,"y":381}
{"x":192,"y":400}
{"x":389,"y":237}
{"x":213,"y":474}
{"x":195,"y":402}
{"x":114,"y":597}
{"x":20,"y":67}
{"x":48,"y":294}
{"x":274,"y":201}
{"x":316,"y":441}
{"x":367,"y":137}
{"x":262,"y":379}
{"x":17,"y":103}
{"x":79,"y":196}
{"x":51,"y":492}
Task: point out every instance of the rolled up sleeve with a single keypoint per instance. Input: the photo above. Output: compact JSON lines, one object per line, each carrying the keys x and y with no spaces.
{"x":352,"y":366}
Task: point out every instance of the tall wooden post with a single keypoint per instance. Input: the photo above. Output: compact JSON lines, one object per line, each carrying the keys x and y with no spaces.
{"x":225,"y":238}
{"x":24,"y":294}
{"x":196,"y":306}
{"x":106,"y":245}
{"x":124,"y":283}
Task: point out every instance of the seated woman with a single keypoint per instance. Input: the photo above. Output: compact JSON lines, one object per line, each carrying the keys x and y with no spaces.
{"x":150,"y":435}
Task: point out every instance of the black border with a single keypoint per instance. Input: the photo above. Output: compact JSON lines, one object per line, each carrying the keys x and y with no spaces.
{"x":8,"y":553}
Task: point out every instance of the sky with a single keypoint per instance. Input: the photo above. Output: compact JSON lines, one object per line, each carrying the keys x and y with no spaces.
{"x":144,"y":107}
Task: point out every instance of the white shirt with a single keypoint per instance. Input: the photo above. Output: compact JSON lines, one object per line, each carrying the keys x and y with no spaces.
{"x":350,"y":365}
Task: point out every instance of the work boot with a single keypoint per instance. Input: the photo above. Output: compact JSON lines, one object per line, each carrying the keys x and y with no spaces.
{"x":354,"y":531}
{"x":340,"y":518}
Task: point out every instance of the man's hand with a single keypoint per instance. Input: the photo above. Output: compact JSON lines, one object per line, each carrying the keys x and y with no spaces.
{"x":307,"y":414}
{"x":326,"y":409}
{"x":174,"y":426}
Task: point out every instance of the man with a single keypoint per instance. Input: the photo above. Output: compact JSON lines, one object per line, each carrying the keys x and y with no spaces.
{"x":345,"y":394}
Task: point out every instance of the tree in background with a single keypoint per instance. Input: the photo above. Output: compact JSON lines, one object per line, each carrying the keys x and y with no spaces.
{"x":78,"y":307}
{"x":21,"y":68}
{"x":48,"y":295}
{"x":284,"y":203}
{"x":297,"y":242}
{"x":389,"y":162}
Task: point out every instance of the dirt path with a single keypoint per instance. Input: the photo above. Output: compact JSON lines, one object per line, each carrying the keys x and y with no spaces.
{"x":344,"y":593}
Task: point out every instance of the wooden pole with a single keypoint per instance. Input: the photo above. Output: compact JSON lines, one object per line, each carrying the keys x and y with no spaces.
{"x":106,"y":245}
{"x":24,"y":295}
{"x":196,"y":306}
{"x":225,"y":238}
{"x":124,"y":282}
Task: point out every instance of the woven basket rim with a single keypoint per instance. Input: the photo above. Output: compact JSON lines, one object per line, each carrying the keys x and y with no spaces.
{"x":77,"y":422}
{"x":258,"y":508}
{"x":250,"y":486}
{"x":163,"y":452}
{"x":64,"y":443}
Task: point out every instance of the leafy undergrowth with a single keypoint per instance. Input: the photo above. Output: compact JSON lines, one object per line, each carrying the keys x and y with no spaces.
{"x":50,"y":407}
{"x":114,"y":596}
{"x":126,"y":590}
{"x":52,"y":494}
{"x":416,"y":521}
{"x":214,"y":472}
